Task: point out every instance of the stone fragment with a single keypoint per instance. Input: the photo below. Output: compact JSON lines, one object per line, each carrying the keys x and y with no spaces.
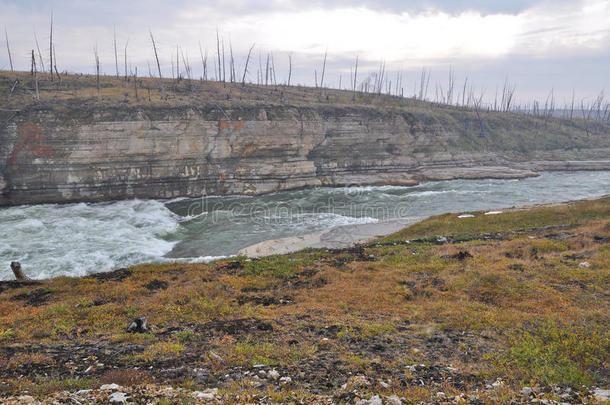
{"x":138,"y":325}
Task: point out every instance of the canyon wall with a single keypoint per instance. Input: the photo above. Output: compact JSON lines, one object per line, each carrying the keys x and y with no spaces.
{"x":95,"y":153}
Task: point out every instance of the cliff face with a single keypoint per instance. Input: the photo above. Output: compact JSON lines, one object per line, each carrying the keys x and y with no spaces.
{"x":79,"y":153}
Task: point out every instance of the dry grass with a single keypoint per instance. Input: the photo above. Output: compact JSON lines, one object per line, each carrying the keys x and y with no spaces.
{"x":534,"y":316}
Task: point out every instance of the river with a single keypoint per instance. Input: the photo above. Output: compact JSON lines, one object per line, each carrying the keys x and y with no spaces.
{"x":77,"y":239}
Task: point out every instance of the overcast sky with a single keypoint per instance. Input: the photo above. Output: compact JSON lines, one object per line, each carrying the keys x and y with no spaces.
{"x":538,"y":45}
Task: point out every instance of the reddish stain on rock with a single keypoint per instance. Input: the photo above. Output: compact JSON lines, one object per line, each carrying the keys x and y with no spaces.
{"x":236,"y":125}
{"x":30,"y":138}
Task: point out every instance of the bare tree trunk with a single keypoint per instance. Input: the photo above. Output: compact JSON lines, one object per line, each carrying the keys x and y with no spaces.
{"x":218,"y":52}
{"x":18,"y":272}
{"x":156,"y":54}
{"x":231,"y":63}
{"x":97,"y":74}
{"x":8,"y":49}
{"x":323,"y":69}
{"x":55,"y":64}
{"x":203,"y":63}
{"x":125,"y":59}
{"x":289,"y":68}
{"x":224,"y":65}
{"x":273,"y":70}
{"x":42,"y":68}
{"x":267,"y":71}
{"x":177,"y":64}
{"x":116,"y":56}
{"x":135,"y":82}
{"x":243,"y":78}
{"x":35,"y":72}
{"x":356,"y":73}
{"x":51,"y":48}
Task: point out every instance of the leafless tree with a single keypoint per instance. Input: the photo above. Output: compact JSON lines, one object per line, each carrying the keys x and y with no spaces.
{"x":35,"y":73}
{"x":204,"y":62}
{"x":42,"y":68}
{"x":125,"y":59}
{"x":243,"y":78}
{"x":355,"y":74}
{"x":8,"y":49}
{"x":218,"y":52}
{"x":323,"y":68}
{"x":51,"y":47}
{"x":116,"y":55}
{"x":156,"y":54}
{"x":289,"y":68}
{"x":450,"y":87}
{"x":97,"y":74}
{"x":267,"y":71}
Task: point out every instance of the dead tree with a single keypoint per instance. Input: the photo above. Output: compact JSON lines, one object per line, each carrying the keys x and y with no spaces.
{"x":289,"y":68}
{"x":232,"y":76}
{"x":323,"y":69}
{"x":355,"y":74}
{"x":35,"y":73}
{"x":97,"y":74}
{"x":218,"y":52}
{"x":51,"y":48}
{"x":177,"y":64}
{"x":42,"y":68}
{"x":8,"y":49}
{"x":55,"y":64}
{"x":243,"y":78}
{"x":156,"y":54}
{"x":18,"y":272}
{"x":204,"y":62}
{"x":267,"y":71}
{"x":224,"y":66}
{"x":125,"y":59}
{"x":135,"y":83}
{"x":116,"y":55}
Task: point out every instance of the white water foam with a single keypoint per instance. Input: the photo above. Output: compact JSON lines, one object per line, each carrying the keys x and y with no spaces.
{"x":78,"y":239}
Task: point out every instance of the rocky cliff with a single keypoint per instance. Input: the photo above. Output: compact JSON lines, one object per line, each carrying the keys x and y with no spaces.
{"x":91,"y":151}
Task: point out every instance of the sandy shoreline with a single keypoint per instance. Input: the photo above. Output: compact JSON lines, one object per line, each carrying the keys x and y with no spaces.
{"x":334,"y":238}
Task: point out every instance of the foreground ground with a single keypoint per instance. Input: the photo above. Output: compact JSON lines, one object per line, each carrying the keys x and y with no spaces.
{"x":503,"y":308}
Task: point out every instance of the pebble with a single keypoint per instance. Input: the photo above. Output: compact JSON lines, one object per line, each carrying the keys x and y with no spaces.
{"x":215,"y":356}
{"x":207,"y":395}
{"x":602,"y":395}
{"x":118,"y":398}
{"x":285,"y":380}
{"x":110,"y":387}
{"x":393,"y":400}
{"x":274,"y":374}
{"x":441,"y":395}
{"x":375,"y":400}
{"x":358,"y":381}
{"x":526,"y":391}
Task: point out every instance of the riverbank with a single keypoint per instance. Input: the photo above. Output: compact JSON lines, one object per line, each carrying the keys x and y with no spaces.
{"x":491,"y":308}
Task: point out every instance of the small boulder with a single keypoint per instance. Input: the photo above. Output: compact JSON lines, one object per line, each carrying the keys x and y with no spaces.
{"x":584,"y":265}
{"x":393,"y":400}
{"x":110,"y":387}
{"x":26,"y":399}
{"x":526,"y":391}
{"x":118,"y":398}
{"x":138,"y":325}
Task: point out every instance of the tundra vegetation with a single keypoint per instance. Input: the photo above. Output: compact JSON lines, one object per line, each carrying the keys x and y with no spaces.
{"x":479,"y":306}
